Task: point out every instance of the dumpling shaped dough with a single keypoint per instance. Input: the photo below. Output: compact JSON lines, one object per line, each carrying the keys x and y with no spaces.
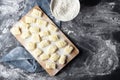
{"x":35,"y":38}
{"x":30,"y":45}
{"x":44,"y":33}
{"x":51,"y":49}
{"x":25,"y":35}
{"x":37,"y":52}
{"x":29,"y":19}
{"x":54,"y":57}
{"x":53,"y":37}
{"x":68,"y":49}
{"x":52,"y":28}
{"x":62,"y":59}
{"x":42,"y":23}
{"x":16,"y":30}
{"x":43,"y":43}
{"x":34,"y":29}
{"x":61,"y":43}
{"x":24,"y":26}
{"x":36,"y":13}
{"x":50,"y":65}
{"x":44,"y":56}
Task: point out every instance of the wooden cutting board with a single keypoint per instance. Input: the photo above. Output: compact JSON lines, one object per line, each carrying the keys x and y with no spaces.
{"x":74,"y":53}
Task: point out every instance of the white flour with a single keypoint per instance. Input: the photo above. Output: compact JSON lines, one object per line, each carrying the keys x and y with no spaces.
{"x":65,"y":10}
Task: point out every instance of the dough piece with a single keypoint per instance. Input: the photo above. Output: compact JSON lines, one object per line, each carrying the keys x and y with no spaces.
{"x":44,"y":56}
{"x":25,"y":35}
{"x":36,"y":13}
{"x":35,"y":38}
{"x":52,"y":28}
{"x":54,"y":57}
{"x":53,"y":37}
{"x":52,"y":49}
{"x":44,"y":43}
{"x":44,"y":33}
{"x":41,"y":22}
{"x":68,"y":49}
{"x":50,"y":65}
{"x":29,"y":19}
{"x":24,"y":25}
{"x":61,"y":43}
{"x":30,"y":45}
{"x":34,"y":29}
{"x":37,"y":52}
{"x":62,"y":59}
{"x":16,"y":30}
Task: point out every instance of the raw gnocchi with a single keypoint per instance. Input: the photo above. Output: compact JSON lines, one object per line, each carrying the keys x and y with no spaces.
{"x":37,"y":52}
{"x":54,"y":57}
{"x":62,"y":59}
{"x":25,"y":35}
{"x":35,"y":38}
{"x":30,"y":45}
{"x":61,"y":43}
{"x":36,"y":13}
{"x":16,"y":30}
{"x":52,"y":28}
{"x":68,"y":49}
{"x":53,"y":37}
{"x":24,"y":25}
{"x":44,"y":43}
{"x":34,"y":29}
{"x":44,"y":33}
{"x":50,"y":65}
{"x":41,"y":22}
{"x":52,"y":49}
{"x":44,"y":56}
{"x":29,"y":19}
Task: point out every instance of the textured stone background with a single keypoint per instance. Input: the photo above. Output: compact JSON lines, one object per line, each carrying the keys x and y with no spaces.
{"x":96,"y":32}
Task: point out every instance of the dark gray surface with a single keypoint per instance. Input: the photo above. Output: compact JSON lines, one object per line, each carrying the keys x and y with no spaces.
{"x":95,"y":31}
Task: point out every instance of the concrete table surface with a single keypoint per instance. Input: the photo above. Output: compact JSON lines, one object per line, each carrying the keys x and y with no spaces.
{"x":95,"y":31}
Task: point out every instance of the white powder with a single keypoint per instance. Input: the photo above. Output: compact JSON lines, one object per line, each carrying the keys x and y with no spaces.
{"x":65,"y":10}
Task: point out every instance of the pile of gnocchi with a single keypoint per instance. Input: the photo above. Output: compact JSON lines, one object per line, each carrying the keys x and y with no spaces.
{"x":43,"y":39}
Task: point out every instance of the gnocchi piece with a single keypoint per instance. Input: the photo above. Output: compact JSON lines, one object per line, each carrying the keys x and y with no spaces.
{"x":30,"y":45}
{"x":24,"y":25}
{"x":62,"y":59}
{"x":29,"y":19}
{"x":37,"y":52}
{"x":41,"y":22}
{"x":52,"y":28}
{"x":36,"y":13}
{"x":52,"y":49}
{"x":16,"y":30}
{"x":34,"y":29}
{"x":68,"y":49}
{"x":44,"y":33}
{"x":61,"y":43}
{"x":54,"y":57}
{"x":50,"y":65}
{"x":35,"y":38}
{"x":44,"y":56}
{"x":25,"y":35}
{"x":44,"y":43}
{"x":53,"y":37}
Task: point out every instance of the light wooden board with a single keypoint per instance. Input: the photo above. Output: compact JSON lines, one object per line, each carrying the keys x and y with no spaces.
{"x":74,"y":53}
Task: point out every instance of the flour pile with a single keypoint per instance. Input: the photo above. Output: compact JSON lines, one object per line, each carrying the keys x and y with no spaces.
{"x":65,"y":10}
